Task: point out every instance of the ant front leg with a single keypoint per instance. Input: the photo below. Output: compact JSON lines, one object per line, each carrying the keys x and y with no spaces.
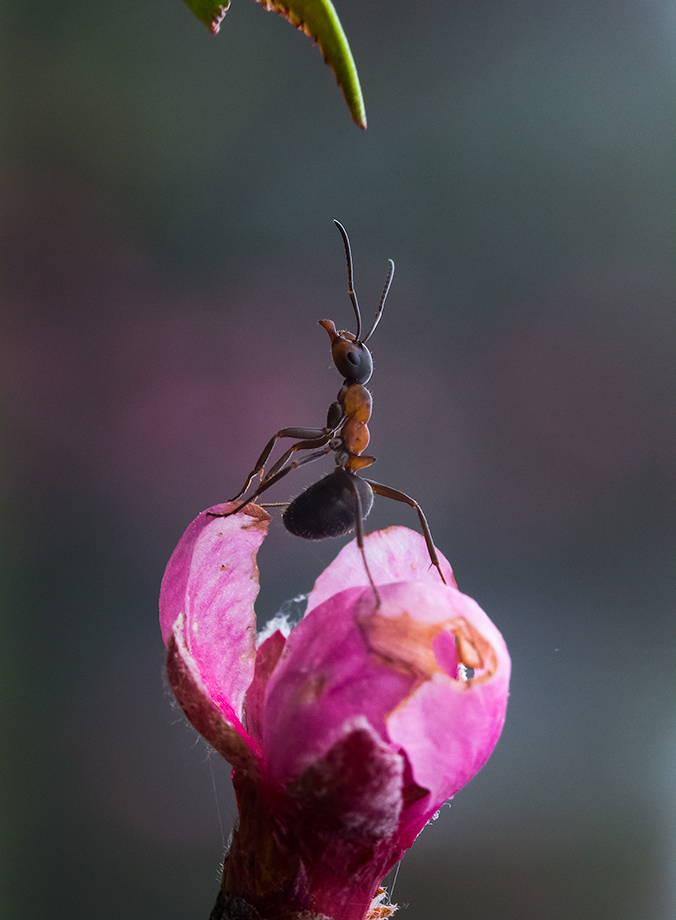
{"x":398,"y":496}
{"x":270,"y":480}
{"x":299,"y":445}
{"x":308,"y":434}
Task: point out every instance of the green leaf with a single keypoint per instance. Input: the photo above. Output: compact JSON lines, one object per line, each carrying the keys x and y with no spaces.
{"x":319,"y":20}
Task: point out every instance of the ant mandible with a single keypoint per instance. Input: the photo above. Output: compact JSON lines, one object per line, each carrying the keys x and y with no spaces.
{"x":341,"y":501}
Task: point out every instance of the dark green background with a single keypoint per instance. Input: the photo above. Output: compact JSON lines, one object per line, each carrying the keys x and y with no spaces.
{"x":167,"y":199}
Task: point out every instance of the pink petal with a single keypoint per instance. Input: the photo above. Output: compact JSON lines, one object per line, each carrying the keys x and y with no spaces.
{"x":212,"y":580}
{"x":394,"y":554}
{"x":390,"y":665}
{"x":450,"y":724}
{"x":324,"y":679}
{"x":267,"y":657}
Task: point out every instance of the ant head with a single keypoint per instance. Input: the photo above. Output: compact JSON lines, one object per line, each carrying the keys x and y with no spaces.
{"x":351,"y":357}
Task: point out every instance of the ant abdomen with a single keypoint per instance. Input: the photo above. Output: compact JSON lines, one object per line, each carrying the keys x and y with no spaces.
{"x":327,"y":508}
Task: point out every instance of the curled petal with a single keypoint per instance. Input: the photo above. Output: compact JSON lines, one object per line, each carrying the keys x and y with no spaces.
{"x":206,"y":600}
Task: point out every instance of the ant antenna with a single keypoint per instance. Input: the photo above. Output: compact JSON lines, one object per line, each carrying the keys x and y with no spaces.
{"x":351,"y":291}
{"x":383,"y":297}
{"x":350,"y":278}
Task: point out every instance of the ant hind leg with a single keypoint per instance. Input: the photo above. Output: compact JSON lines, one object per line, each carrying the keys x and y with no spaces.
{"x":388,"y":492}
{"x":359,"y":526}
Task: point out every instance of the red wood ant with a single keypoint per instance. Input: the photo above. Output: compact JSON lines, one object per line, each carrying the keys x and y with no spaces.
{"x":341,"y":501}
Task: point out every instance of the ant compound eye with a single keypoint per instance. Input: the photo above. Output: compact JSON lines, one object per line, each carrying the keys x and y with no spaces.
{"x":353,"y":360}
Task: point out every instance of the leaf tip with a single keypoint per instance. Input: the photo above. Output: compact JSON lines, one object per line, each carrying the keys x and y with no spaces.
{"x":210,"y":12}
{"x":218,"y":17}
{"x":319,"y":21}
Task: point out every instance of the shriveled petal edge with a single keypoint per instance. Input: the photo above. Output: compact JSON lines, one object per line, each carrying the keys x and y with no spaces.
{"x":209,"y":587}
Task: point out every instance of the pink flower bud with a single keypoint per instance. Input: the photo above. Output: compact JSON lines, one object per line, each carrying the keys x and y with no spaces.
{"x":349,"y":735}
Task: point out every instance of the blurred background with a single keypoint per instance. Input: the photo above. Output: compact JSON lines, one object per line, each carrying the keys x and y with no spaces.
{"x":168,"y":248}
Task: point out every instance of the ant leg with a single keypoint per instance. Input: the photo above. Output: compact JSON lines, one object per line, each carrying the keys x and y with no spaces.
{"x":305,"y":433}
{"x":316,"y":455}
{"x":299,"y":445}
{"x":360,"y":538}
{"x":388,"y":492}
{"x":273,"y":476}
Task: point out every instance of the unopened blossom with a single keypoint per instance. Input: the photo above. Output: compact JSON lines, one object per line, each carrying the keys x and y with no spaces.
{"x":346,"y":736}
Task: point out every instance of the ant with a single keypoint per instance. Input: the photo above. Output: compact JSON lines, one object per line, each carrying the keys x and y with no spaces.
{"x":341,"y":501}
